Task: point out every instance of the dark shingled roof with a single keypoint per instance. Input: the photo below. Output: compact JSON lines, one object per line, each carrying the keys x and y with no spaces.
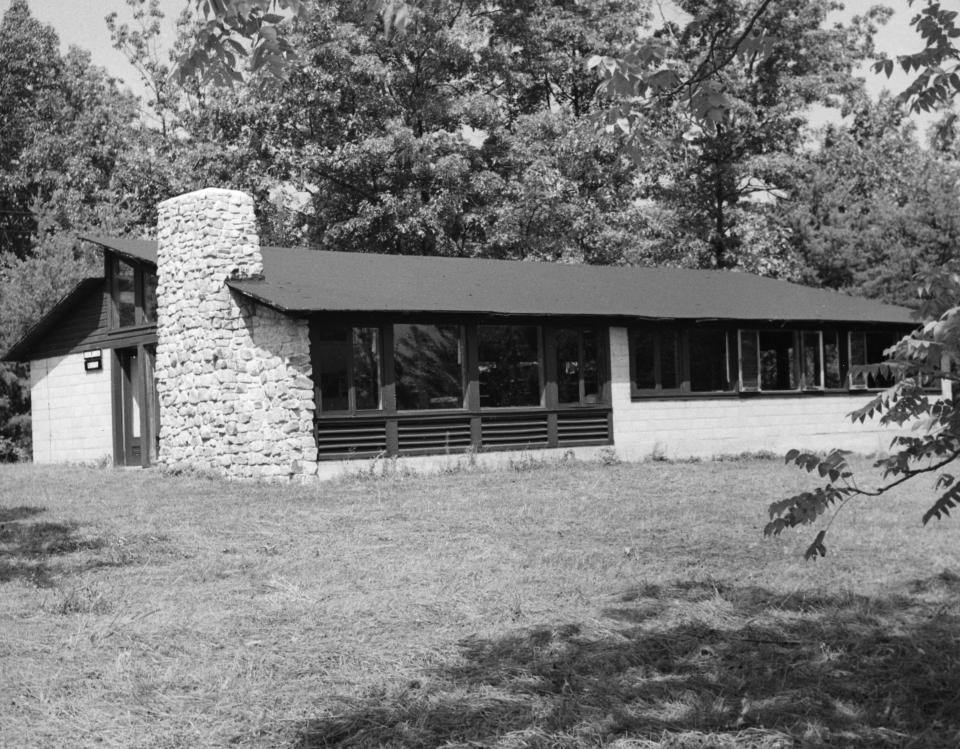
{"x":136,"y":249}
{"x":302,"y":281}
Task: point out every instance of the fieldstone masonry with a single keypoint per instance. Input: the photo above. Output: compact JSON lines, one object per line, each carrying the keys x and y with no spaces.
{"x":233,"y":376}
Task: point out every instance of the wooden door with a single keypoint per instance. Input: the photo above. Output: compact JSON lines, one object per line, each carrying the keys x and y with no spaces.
{"x":136,"y":418}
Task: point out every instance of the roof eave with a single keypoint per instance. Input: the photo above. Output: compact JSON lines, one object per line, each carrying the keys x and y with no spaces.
{"x":20,"y":350}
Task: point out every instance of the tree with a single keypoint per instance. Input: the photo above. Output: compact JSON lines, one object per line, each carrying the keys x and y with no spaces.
{"x":30,"y":72}
{"x":70,"y":135}
{"x":720,"y":173}
{"x":871,"y":209}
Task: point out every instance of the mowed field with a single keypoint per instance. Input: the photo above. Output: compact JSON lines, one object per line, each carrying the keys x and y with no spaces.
{"x":575,"y":605}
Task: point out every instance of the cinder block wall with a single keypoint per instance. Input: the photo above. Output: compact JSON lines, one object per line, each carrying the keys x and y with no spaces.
{"x":70,"y":410}
{"x":707,"y":427}
{"x":233,"y":376}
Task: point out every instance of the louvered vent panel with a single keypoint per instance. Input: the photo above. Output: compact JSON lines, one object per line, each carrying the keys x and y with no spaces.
{"x":577,"y":428}
{"x":351,"y":438}
{"x":433,"y":434}
{"x":515,"y":430}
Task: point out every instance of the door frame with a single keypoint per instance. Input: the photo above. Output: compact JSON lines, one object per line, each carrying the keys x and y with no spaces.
{"x":127,"y":382}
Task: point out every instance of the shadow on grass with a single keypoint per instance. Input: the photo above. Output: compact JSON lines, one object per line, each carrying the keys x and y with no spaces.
{"x":698,"y":664}
{"x":27,"y":547}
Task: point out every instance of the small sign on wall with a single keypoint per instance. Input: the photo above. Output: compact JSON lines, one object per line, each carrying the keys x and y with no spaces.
{"x":93,"y":360}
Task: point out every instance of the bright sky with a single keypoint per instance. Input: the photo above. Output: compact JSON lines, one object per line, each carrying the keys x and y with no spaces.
{"x":82,"y":24}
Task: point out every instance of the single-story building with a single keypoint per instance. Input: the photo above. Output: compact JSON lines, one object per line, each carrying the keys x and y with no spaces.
{"x":204,"y":350}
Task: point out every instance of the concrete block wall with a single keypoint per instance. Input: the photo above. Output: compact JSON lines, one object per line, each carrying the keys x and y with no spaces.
{"x":233,"y":376}
{"x":708,"y":427}
{"x":71,"y":410}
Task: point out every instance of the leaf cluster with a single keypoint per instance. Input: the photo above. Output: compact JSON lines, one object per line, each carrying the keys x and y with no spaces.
{"x":937,"y":65}
{"x":932,"y":443}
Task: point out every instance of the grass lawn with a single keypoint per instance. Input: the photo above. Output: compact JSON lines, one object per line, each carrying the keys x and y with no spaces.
{"x":583,"y":605}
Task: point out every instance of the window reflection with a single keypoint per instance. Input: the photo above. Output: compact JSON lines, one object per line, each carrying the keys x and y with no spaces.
{"x":149,"y":296}
{"x":124,"y":293}
{"x":578,"y":377}
{"x":509,"y":365}
{"x":428,"y":366}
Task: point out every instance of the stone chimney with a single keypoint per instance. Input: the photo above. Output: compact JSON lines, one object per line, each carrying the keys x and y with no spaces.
{"x":233,"y":376}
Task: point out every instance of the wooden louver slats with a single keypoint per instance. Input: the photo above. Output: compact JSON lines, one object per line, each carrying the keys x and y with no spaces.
{"x":515,"y":430}
{"x":351,"y":439}
{"x":433,"y":434}
{"x":578,"y":428}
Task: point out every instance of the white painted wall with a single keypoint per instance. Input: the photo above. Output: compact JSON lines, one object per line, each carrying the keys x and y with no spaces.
{"x":707,"y":427}
{"x":71,"y":410}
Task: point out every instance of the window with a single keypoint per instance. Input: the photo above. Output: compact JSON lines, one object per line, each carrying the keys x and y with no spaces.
{"x":655,"y":360}
{"x":578,"y":369}
{"x":124,"y":293}
{"x":867,"y":347}
{"x":768,"y":360}
{"x":133,"y":291}
{"x":149,"y":296}
{"x":347,"y":362}
{"x":679,"y":361}
{"x":709,"y":371}
{"x":820,"y":360}
{"x":428,"y":366}
{"x":509,"y":362}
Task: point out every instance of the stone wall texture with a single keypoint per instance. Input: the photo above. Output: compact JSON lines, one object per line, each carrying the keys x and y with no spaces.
{"x":233,"y":377}
{"x":70,"y":410}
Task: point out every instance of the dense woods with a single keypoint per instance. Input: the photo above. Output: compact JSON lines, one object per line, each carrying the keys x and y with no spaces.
{"x":480,"y":132}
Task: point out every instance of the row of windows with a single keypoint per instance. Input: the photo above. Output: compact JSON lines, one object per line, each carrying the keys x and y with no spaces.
{"x":716,"y":360}
{"x":423,"y":366}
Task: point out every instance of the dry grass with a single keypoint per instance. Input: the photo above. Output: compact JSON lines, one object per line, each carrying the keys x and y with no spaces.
{"x":626,"y":606}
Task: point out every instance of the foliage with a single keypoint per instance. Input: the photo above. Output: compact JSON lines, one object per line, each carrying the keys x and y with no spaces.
{"x":65,"y":168}
{"x":871,"y":208}
{"x":927,"y":424}
{"x":723,"y":173}
{"x":937,"y":65}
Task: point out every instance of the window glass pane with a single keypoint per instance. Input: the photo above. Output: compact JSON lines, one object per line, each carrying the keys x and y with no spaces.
{"x":568,"y":366}
{"x":876,"y":343}
{"x":778,"y":367}
{"x":577,"y":365}
{"x":749,"y":369}
{"x":366,"y":368}
{"x":831,"y":360}
{"x":123,"y":293}
{"x":149,"y":296}
{"x":867,"y":348}
{"x":333,"y":360}
{"x":708,"y":361}
{"x":858,"y":357}
{"x":509,"y":365}
{"x":669,"y":360}
{"x":591,"y":366}
{"x":428,"y":366}
{"x":810,"y":360}
{"x":644,"y":360}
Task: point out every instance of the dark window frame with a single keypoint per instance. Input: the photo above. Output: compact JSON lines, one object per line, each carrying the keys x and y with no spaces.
{"x":351,"y":409}
{"x":551,"y":369}
{"x":391,"y":369}
{"x":684,"y":387}
{"x":830,"y":334}
{"x":140,"y":272}
{"x":542,"y":376}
